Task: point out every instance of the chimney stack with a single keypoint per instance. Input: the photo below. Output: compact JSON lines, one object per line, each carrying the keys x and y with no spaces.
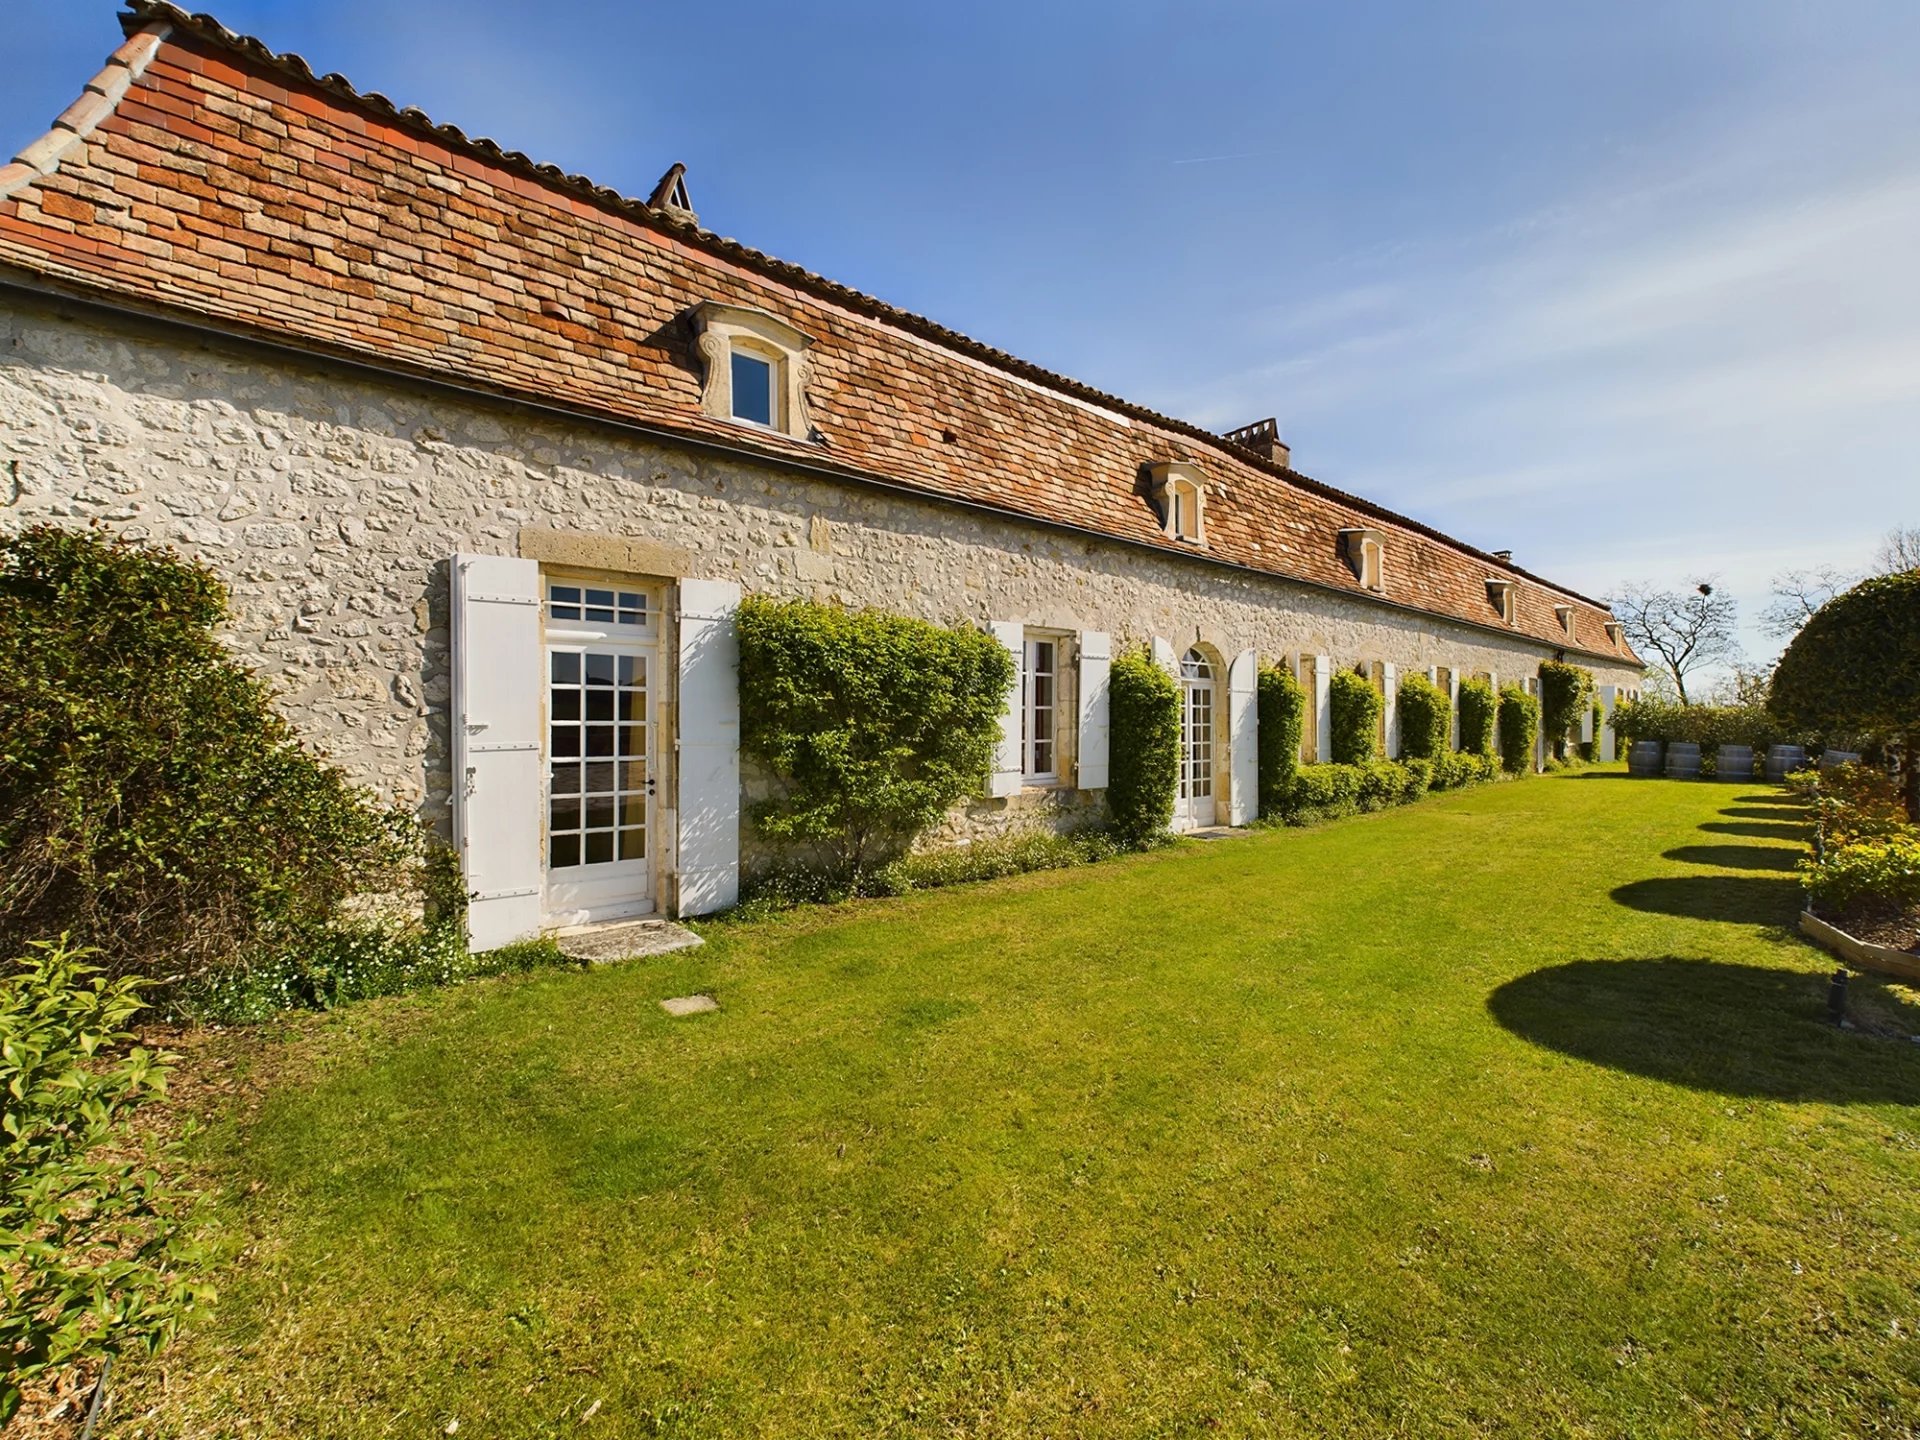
{"x":1505,"y":557}
{"x":1263,"y":439}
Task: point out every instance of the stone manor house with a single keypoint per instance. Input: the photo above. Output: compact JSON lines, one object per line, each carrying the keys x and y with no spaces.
{"x":488,"y":455}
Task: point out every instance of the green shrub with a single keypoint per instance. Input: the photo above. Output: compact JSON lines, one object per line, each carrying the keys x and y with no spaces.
{"x":1282,"y":727}
{"x":1477,"y":709}
{"x":93,"y":1259}
{"x":1463,"y":767}
{"x":873,"y":724}
{"x":1420,"y":774}
{"x":1884,"y":869}
{"x":1519,"y":728}
{"x":1354,"y":726}
{"x":1590,"y":749}
{"x":1323,"y":792}
{"x":1144,"y":747}
{"x":1426,"y":718}
{"x":1565,"y":691}
{"x":152,"y":803}
{"x":1708,"y":726}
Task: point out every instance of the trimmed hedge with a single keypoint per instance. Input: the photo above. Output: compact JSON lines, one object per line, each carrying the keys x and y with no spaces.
{"x":1564,"y":690}
{"x":1144,"y":759}
{"x":1708,"y":726}
{"x":1477,"y":708}
{"x":1354,"y":729}
{"x":1426,"y":718}
{"x":1283,"y":726}
{"x":1328,"y":792}
{"x":1519,"y":728}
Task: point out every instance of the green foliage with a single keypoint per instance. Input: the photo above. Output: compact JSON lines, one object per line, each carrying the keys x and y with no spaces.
{"x":1328,"y":792}
{"x":1477,"y":709}
{"x":1884,"y":870}
{"x":1519,"y":728}
{"x":92,"y":1256}
{"x":1708,"y":726}
{"x":1354,"y":726}
{"x":1565,"y":690}
{"x":1462,"y":768}
{"x":1282,"y":727}
{"x":1590,"y":749}
{"x":873,"y":723}
{"x":152,"y":803}
{"x":1144,"y":747}
{"x":1426,"y":718}
{"x":1855,"y":668}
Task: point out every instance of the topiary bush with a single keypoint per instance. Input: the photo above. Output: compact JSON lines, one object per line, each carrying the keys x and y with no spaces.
{"x":1477,"y":709}
{"x":1708,"y":726}
{"x":1354,"y":727}
{"x":1426,"y":718}
{"x":1463,"y":767}
{"x":1282,"y":727}
{"x":1590,"y":749}
{"x":152,"y":804}
{"x":1144,"y":747}
{"x":93,"y":1256}
{"x":1565,"y":690}
{"x":1519,"y":728}
{"x":873,"y":724}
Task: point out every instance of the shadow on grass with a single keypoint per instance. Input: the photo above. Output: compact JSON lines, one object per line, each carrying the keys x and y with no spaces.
{"x":1761,"y":812}
{"x":1737,"y":857}
{"x":1757,"y":830}
{"x":1603,"y":775}
{"x":1738,"y":899}
{"x":1733,"y":1029}
{"x":1779,"y":799}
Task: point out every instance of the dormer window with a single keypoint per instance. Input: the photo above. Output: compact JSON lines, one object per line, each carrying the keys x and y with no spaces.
{"x":1613,"y":632}
{"x":755,"y":369}
{"x":1180,"y":491}
{"x":1564,"y":614}
{"x":1365,"y":552}
{"x":1500,"y":593}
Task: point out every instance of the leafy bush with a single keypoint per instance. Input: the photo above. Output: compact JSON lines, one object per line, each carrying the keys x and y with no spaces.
{"x":1282,"y":727}
{"x":1426,"y":718}
{"x":1884,"y":869}
{"x":1354,"y":726}
{"x":1855,"y":667}
{"x":874,"y":724}
{"x":1144,"y":747}
{"x":152,"y":804}
{"x":1852,"y":802}
{"x":1708,"y":726}
{"x":1477,"y":709}
{"x":92,"y":1256}
{"x":1463,"y":767}
{"x":1590,"y":749}
{"x":1323,"y":792}
{"x":1519,"y":728}
{"x":1420,"y":775}
{"x":1565,"y":690}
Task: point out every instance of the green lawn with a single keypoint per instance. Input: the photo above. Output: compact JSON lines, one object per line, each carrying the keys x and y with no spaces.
{"x":1511,"y":1113}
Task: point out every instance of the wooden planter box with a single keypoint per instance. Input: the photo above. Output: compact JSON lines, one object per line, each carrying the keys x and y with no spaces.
{"x":1861,"y":954}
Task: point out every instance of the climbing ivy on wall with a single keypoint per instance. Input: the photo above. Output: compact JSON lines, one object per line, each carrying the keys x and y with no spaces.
{"x":1426,"y":718}
{"x":1355,"y":724}
{"x":1144,"y":747}
{"x":1519,"y":728}
{"x":874,"y":724}
{"x":1564,"y":690}
{"x":1282,"y":726}
{"x":1477,"y":706}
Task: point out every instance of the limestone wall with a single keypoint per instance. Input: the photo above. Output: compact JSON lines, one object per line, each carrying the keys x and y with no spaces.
{"x":330,"y":502}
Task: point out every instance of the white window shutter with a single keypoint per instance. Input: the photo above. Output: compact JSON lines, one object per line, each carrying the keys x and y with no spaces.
{"x":1390,"y":695}
{"x":1005,"y":779}
{"x":1096,"y":660}
{"x":498,"y":788}
{"x":1323,"y":709}
{"x":1164,"y":657}
{"x":1609,"y":697}
{"x":708,"y":805}
{"x":1243,"y":742}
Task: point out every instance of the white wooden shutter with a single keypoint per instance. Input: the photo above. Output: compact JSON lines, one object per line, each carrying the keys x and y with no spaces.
{"x":1586,"y":723}
{"x":1453,"y":701}
{"x":498,"y":788}
{"x":1007,"y":769}
{"x":1243,"y":742}
{"x":1609,"y":697}
{"x":708,"y":808}
{"x":1164,"y":657}
{"x":1323,"y":708}
{"x":1390,"y":716}
{"x":1096,"y":660}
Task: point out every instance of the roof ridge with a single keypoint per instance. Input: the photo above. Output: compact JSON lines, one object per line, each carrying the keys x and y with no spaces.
{"x":668,"y":221}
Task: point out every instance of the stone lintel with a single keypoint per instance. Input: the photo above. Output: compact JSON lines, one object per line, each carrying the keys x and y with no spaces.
{"x":620,"y":554}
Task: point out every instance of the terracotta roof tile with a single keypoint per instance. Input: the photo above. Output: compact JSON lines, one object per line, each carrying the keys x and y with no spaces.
{"x":295,"y":207}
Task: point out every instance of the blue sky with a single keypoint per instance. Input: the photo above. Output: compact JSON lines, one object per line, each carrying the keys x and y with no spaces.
{"x":1631,"y":289}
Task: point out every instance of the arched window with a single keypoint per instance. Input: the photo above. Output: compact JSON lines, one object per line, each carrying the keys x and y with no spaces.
{"x":1179,"y":489}
{"x":1194,"y":666}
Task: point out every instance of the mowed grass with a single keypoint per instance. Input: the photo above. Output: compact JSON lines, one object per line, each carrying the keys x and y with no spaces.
{"x":1511,"y":1113}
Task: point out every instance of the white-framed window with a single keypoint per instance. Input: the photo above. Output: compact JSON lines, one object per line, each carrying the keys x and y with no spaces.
{"x":1180,"y":490}
{"x":590,"y":604}
{"x":1500,"y":593}
{"x":1040,"y":711}
{"x":756,"y":369}
{"x":1365,"y":552}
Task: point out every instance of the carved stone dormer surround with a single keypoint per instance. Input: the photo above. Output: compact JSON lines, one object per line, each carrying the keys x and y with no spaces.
{"x":720,"y":330}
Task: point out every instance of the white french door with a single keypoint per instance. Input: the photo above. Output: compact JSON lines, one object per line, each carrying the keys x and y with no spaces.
{"x":601,"y":653}
{"x":1193,"y":803}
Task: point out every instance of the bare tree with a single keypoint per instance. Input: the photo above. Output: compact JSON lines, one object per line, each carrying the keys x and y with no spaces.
{"x":1899,"y":551}
{"x":1797,"y":594}
{"x":1681,"y":630}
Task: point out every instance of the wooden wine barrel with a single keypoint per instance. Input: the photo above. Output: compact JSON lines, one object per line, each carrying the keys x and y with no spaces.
{"x":1783,"y":760}
{"x":1683,"y":760}
{"x":1644,"y":759}
{"x":1733,"y":762}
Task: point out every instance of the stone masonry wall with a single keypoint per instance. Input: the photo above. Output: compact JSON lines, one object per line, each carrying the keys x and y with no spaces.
{"x":330,"y":503}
